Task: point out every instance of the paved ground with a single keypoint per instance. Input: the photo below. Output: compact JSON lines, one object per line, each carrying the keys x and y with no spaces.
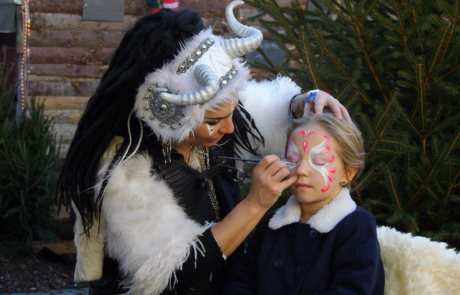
{"x":80,"y":291}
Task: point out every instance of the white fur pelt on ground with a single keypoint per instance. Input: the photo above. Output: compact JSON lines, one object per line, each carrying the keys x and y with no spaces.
{"x":417,"y":265}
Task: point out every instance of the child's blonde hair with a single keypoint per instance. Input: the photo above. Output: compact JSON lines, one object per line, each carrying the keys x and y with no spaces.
{"x":347,"y":135}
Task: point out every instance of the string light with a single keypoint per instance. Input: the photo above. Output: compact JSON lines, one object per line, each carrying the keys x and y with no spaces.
{"x":25,"y":62}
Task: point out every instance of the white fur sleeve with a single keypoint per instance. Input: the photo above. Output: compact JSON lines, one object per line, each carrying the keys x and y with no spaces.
{"x":147,"y":232}
{"x":268,"y":102}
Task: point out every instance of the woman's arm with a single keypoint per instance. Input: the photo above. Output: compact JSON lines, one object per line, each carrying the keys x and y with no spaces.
{"x":242,"y":278}
{"x":267,"y":185}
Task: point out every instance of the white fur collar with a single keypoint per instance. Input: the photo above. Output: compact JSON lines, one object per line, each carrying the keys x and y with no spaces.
{"x":323,"y":221}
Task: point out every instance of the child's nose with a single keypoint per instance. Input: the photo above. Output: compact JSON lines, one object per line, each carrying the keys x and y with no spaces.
{"x":303,"y":169}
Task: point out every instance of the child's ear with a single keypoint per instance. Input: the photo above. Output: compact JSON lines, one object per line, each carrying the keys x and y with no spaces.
{"x":348,"y":175}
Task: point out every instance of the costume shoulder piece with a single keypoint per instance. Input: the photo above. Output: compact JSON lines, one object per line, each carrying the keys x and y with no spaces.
{"x":144,"y":228}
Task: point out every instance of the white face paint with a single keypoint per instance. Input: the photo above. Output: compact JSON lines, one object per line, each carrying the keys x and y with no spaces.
{"x":318,"y":163}
{"x":292,"y":155}
{"x":210,"y":129}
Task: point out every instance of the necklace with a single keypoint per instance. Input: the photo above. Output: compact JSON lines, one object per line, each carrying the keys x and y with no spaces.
{"x":204,"y":165}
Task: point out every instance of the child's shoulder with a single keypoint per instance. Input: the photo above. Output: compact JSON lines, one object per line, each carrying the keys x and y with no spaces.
{"x":359,"y":220}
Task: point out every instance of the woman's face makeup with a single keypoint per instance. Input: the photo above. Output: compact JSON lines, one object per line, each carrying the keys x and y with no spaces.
{"x":211,"y":123}
{"x":215,"y":125}
{"x":317,"y":164}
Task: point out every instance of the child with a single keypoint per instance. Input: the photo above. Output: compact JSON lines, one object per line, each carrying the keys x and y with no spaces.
{"x":320,"y":242}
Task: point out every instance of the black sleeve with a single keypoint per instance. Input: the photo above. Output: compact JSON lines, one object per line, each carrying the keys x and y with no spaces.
{"x":198,"y":265}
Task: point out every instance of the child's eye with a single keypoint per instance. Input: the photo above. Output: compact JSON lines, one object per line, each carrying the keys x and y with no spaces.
{"x":212,"y":122}
{"x":319,"y":161}
{"x":292,"y":165}
{"x":293,"y":158}
{"x":293,"y":161}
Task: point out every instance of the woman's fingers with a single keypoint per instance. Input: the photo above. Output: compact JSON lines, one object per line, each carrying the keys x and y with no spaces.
{"x":323,"y":100}
{"x":267,"y":181}
{"x":266,"y":162}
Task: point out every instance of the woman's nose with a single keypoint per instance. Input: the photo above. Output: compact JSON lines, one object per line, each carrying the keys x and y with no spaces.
{"x":227,"y":126}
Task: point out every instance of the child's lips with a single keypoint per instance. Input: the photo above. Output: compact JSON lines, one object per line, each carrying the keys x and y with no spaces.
{"x":302,"y":186}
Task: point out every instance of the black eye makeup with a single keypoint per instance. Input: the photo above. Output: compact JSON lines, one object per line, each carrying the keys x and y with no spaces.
{"x":212,"y":122}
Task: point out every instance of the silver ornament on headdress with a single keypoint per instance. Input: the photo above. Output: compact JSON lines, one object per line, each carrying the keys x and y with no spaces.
{"x":168,"y":113}
{"x":223,"y":81}
{"x":195,"y":56}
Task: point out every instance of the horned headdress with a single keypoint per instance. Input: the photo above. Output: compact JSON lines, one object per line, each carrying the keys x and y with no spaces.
{"x":174,"y":98}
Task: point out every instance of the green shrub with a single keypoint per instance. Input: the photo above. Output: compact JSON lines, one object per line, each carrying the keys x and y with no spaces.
{"x":28,"y":159}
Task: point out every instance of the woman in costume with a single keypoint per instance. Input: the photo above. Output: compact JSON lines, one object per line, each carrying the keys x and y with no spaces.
{"x":157,"y":210}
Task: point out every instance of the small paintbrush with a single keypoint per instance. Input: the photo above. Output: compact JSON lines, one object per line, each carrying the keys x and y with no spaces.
{"x":250,"y":160}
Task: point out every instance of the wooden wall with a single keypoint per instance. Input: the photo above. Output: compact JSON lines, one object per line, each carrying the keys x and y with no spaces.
{"x":69,"y":56}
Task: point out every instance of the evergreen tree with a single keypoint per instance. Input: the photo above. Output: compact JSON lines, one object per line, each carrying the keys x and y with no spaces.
{"x":28,"y":159}
{"x":395,"y":66}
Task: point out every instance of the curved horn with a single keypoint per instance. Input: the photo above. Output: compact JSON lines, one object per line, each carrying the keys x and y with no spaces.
{"x":205,"y":77}
{"x":252,"y":37}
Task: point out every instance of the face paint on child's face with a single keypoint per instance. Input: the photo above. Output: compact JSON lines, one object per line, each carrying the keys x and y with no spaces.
{"x":317,"y":162}
{"x":319,"y":170}
{"x":292,"y":155}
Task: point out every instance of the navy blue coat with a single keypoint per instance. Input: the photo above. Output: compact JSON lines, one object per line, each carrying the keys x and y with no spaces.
{"x":297,"y":259}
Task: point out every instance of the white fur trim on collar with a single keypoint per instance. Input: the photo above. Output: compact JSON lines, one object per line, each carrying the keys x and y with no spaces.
{"x":323,"y":221}
{"x":217,"y":59}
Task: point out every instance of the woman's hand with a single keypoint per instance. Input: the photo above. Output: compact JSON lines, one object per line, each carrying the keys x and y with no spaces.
{"x":266,"y":187}
{"x":317,"y":105}
{"x":267,"y":182}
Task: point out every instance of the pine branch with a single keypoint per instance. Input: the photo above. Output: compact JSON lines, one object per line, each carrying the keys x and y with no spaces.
{"x":452,"y":145}
{"x":416,"y":195}
{"x":438,"y":50}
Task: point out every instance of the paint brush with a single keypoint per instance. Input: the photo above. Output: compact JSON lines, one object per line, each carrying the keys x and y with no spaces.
{"x":250,"y":160}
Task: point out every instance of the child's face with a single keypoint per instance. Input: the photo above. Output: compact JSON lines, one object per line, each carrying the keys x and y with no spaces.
{"x":320,"y":170}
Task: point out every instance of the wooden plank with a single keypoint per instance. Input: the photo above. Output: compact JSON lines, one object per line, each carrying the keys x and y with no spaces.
{"x":65,"y":102}
{"x":214,"y":9}
{"x":65,"y":117}
{"x":66,"y":88}
{"x":35,"y":78}
{"x":60,"y":21}
{"x":75,"y":38}
{"x":69,"y":70}
{"x":61,"y":247}
{"x":71,"y":55}
{"x":219,"y":27}
{"x":132,"y":7}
